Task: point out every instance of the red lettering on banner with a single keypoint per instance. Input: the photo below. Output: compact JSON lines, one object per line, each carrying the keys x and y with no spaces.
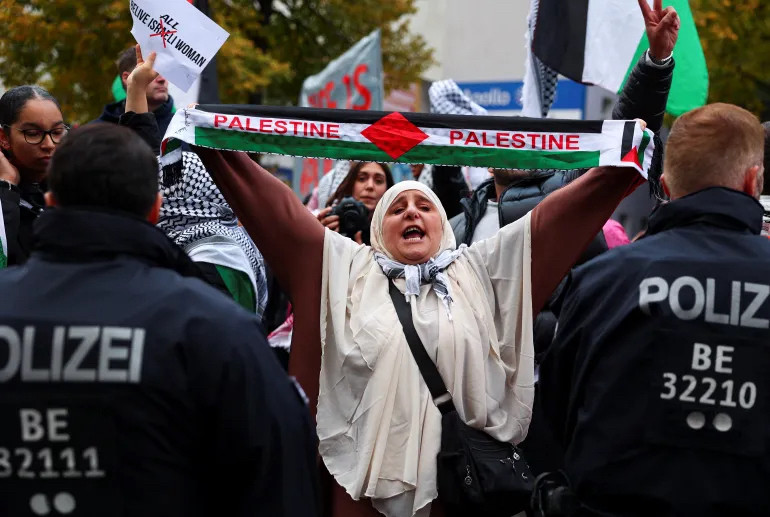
{"x":455,"y":135}
{"x":518,"y":141}
{"x":294,"y":125}
{"x":323,"y":97}
{"x":248,"y":125}
{"x":573,"y":143}
{"x":362,"y":90}
{"x":265,"y":125}
{"x":472,"y":138}
{"x":333,"y":131}
{"x":280,"y":127}
{"x":484,"y":140}
{"x":235,"y":122}
{"x":327,"y":93}
{"x":309,"y":177}
{"x":533,"y":140}
{"x":502,"y":139}
{"x":316,"y":130}
{"x":218,"y":119}
{"x":555,"y":143}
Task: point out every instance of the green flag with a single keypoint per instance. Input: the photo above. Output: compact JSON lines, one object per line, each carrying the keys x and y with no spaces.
{"x":691,"y":79}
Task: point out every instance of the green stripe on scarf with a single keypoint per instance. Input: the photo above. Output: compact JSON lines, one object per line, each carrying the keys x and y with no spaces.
{"x":442,"y":155}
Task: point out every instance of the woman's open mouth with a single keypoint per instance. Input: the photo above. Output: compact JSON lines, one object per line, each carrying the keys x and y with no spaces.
{"x":413,"y":234}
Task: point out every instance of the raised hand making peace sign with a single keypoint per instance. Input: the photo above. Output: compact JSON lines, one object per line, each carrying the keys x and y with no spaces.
{"x":662,"y":28}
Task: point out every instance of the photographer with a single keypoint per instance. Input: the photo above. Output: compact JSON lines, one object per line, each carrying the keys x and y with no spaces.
{"x":349,"y":211}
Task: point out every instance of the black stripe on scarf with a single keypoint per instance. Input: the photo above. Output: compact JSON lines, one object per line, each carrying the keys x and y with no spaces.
{"x":560,"y":36}
{"x":426,"y":120}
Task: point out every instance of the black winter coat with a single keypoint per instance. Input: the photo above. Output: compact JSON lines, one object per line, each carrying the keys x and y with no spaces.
{"x":131,"y":388}
{"x":656,"y":383}
{"x":163,"y":115}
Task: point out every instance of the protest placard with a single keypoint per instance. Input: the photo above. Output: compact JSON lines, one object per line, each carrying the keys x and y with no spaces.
{"x":185,"y":39}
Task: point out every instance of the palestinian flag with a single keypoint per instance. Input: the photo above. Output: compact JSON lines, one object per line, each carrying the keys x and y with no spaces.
{"x":480,"y":141}
{"x":600,"y":41}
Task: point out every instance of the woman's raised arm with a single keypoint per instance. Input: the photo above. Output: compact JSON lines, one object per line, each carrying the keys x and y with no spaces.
{"x":566,"y":221}
{"x":292,"y":242}
{"x":286,"y":233}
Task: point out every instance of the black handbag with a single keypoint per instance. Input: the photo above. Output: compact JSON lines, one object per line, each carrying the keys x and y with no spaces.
{"x":477,"y":475}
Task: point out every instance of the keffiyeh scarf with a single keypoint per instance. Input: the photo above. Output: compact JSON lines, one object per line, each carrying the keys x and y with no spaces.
{"x":430,"y":272}
{"x":447,"y":98}
{"x":194,"y":209}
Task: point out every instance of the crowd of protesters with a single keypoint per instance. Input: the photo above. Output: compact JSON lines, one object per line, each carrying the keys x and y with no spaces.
{"x":137,"y":378}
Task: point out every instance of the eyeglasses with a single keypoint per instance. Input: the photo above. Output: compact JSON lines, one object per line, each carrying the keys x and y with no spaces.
{"x":36,"y":136}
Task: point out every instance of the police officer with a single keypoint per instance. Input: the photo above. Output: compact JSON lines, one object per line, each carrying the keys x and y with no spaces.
{"x":657,"y":379}
{"x":129,"y":387}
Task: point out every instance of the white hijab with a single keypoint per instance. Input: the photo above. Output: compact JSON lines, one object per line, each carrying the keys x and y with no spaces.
{"x":378,"y":427}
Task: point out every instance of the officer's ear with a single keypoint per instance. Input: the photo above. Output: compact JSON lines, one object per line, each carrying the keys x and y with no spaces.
{"x":154,"y":214}
{"x":752,"y":182}
{"x":50,"y":199}
{"x":665,"y":187}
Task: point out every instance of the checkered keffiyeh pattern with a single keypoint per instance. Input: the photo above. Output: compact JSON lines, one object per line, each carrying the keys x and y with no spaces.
{"x":545,"y":76}
{"x":194,"y":208}
{"x":447,"y":98}
{"x":430,"y":272}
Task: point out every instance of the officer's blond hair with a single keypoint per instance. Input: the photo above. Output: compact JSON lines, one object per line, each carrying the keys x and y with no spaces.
{"x":712,"y":146}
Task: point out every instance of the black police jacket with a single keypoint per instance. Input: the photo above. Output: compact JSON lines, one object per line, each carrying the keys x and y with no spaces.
{"x":657,"y":379}
{"x":130,"y":388}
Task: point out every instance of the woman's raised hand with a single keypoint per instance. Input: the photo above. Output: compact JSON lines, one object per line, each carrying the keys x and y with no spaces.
{"x":138,"y":80}
{"x":144,"y":73}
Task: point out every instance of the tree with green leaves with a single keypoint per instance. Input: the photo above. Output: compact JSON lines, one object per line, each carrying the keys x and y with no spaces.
{"x":735,"y":35}
{"x":70,"y":46}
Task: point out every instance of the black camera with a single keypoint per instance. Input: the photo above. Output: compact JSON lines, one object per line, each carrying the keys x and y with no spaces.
{"x":354,"y":218}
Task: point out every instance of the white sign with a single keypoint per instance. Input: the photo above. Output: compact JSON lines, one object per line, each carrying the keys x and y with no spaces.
{"x":185,"y":39}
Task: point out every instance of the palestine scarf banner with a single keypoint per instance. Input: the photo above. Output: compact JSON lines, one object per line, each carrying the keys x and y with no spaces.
{"x":480,"y":141}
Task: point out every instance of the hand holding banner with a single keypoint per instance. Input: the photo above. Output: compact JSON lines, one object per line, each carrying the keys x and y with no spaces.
{"x":184,"y":38}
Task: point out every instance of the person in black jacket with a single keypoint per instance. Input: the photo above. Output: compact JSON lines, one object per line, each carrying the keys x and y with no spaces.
{"x":656,"y":381}
{"x":514,"y":193}
{"x":510,"y":194}
{"x":31,"y":126}
{"x":129,"y":386}
{"x":159,"y":101}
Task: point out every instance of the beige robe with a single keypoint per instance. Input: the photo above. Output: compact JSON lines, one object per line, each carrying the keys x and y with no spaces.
{"x":378,"y":427}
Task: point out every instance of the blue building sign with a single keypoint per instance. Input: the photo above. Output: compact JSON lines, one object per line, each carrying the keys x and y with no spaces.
{"x":506,"y":95}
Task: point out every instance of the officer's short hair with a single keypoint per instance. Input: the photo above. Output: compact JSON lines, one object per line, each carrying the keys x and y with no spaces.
{"x":104,"y":165}
{"x":712,"y":146}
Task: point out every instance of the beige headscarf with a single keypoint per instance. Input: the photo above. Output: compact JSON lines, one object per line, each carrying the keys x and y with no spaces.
{"x":378,"y":241}
{"x":378,"y":427}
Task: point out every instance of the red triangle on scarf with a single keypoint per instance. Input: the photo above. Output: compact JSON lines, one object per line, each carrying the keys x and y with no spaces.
{"x":394,"y":134}
{"x":633,"y":157}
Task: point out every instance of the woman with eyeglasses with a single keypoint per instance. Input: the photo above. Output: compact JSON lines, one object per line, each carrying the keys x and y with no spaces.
{"x":31,"y":126}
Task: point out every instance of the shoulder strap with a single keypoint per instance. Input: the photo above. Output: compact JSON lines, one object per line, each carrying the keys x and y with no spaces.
{"x":430,"y":374}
